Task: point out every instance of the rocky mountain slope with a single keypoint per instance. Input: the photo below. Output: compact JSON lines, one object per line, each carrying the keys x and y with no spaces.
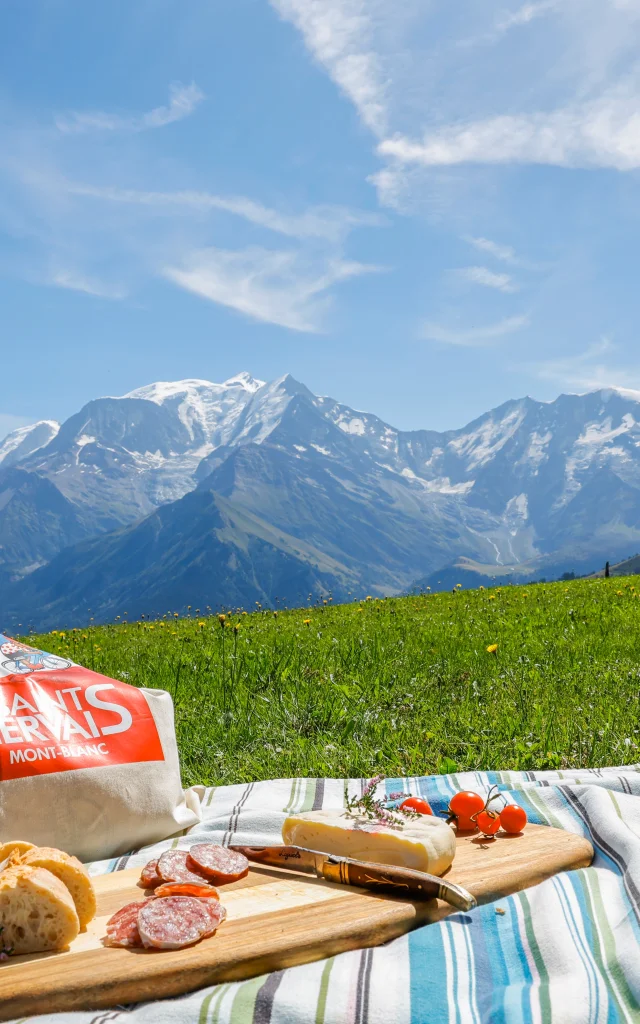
{"x":263,"y":474}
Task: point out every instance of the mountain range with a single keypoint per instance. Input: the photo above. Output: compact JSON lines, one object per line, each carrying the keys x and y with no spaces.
{"x":210,"y":495}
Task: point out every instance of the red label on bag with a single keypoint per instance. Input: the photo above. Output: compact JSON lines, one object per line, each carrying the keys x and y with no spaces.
{"x":69,"y":717}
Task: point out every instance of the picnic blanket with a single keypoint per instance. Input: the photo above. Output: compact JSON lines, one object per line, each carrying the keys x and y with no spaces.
{"x":565,"y":951}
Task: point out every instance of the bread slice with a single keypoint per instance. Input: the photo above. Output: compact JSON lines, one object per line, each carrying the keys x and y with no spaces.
{"x":36,"y":911}
{"x":15,"y":846}
{"x":71,"y":873}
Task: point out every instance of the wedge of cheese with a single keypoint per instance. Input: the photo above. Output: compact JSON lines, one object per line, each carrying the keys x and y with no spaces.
{"x":425,"y":844}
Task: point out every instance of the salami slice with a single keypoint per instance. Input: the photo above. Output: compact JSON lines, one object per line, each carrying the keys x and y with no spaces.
{"x":217,"y":863}
{"x":173,"y":922}
{"x":202,"y":891}
{"x":149,"y":877}
{"x":173,"y":867}
{"x":217,"y":914}
{"x":122,"y":928}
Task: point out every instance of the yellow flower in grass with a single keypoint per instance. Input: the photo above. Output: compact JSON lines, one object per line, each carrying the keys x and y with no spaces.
{"x":222,"y":619}
{"x":306,"y":622}
{"x":491,"y":597}
{"x":492,"y":649}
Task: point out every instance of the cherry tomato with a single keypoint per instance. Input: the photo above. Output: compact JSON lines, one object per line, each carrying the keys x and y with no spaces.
{"x":462,"y":806}
{"x":513,"y":818}
{"x":488,"y":822}
{"x":415,"y":803}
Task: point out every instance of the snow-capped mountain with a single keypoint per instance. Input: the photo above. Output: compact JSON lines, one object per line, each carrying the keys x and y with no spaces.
{"x":327,"y":486}
{"x":23,"y":441}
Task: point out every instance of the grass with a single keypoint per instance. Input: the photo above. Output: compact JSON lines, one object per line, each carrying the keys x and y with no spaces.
{"x":401,"y":686}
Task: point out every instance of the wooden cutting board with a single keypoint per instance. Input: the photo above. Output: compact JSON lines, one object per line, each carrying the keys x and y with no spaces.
{"x":276,"y":919}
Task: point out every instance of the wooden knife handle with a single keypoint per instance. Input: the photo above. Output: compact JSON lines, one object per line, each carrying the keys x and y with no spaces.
{"x":397,"y":881}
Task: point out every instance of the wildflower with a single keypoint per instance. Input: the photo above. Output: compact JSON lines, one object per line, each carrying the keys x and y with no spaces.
{"x":481,"y":588}
{"x":306,"y":622}
{"x":245,"y":613}
{"x":236,"y":629}
{"x":152,"y":627}
{"x":619,"y":593}
{"x":492,"y":648}
{"x":275,"y":614}
{"x":222,"y":618}
{"x":201,"y":625}
{"x":175,"y":615}
{"x":54,"y":633}
{"x":368,"y":597}
{"x":360,"y":609}
{"x":492,"y":597}
{"x":62,"y":635}
{"x":96,"y":648}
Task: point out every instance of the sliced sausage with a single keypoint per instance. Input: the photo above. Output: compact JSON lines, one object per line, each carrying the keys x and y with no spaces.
{"x":217,"y":914}
{"x":149,"y":877}
{"x":173,"y":866}
{"x":202,"y":891}
{"x":122,"y":928}
{"x":174,"y":922}
{"x":217,"y":863}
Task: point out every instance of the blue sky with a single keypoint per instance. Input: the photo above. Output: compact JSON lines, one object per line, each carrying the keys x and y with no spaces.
{"x":421,"y":208}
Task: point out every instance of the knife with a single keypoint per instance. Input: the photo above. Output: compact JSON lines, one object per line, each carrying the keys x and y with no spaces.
{"x":383,"y":878}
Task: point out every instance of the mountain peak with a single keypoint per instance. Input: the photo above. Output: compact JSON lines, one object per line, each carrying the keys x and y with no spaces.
{"x":25,"y":440}
{"x":244,"y":380}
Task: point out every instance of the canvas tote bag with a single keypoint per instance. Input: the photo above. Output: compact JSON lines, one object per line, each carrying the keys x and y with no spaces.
{"x":88,"y":764}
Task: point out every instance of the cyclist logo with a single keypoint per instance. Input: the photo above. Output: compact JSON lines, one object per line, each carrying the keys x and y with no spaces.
{"x":21,"y":659}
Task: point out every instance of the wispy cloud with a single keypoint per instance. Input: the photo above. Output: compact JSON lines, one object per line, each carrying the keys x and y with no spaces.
{"x":523,"y":15}
{"x":330,"y":223}
{"x":89,"y":285}
{"x":276,"y":287}
{"x":183,"y":100}
{"x":500,"y":252}
{"x":601,"y":133}
{"x":339,"y":35}
{"x":474,"y":337}
{"x":487,"y":278}
{"x":587,"y":370}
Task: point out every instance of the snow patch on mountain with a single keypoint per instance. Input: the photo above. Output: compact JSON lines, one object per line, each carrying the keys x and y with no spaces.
{"x":537,"y":450}
{"x":481,"y":445}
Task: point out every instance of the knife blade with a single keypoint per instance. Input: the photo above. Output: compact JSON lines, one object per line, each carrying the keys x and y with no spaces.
{"x":383,"y":878}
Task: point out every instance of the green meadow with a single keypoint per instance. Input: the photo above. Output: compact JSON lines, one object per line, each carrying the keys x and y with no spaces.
{"x":400,"y":686}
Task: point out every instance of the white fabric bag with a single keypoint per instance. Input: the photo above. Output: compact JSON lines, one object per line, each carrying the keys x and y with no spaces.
{"x":87,"y":764}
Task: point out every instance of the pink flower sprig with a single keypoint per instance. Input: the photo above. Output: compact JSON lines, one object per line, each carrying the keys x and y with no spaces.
{"x":375,"y":809}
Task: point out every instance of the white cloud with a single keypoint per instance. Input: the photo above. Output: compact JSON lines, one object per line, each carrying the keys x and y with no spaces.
{"x":501,"y":252}
{"x":601,"y":133}
{"x":183,"y":100}
{"x":90,"y":286}
{"x":275,"y":287}
{"x":331,"y":223}
{"x":523,"y":15}
{"x":339,"y":35}
{"x":474,"y":337}
{"x":586,"y":371}
{"x":487,"y":278}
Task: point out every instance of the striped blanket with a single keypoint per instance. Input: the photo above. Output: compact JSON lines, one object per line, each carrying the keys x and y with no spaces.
{"x":566,"y":951}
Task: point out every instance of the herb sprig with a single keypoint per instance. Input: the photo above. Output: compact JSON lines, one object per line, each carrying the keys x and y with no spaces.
{"x":376,"y":809}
